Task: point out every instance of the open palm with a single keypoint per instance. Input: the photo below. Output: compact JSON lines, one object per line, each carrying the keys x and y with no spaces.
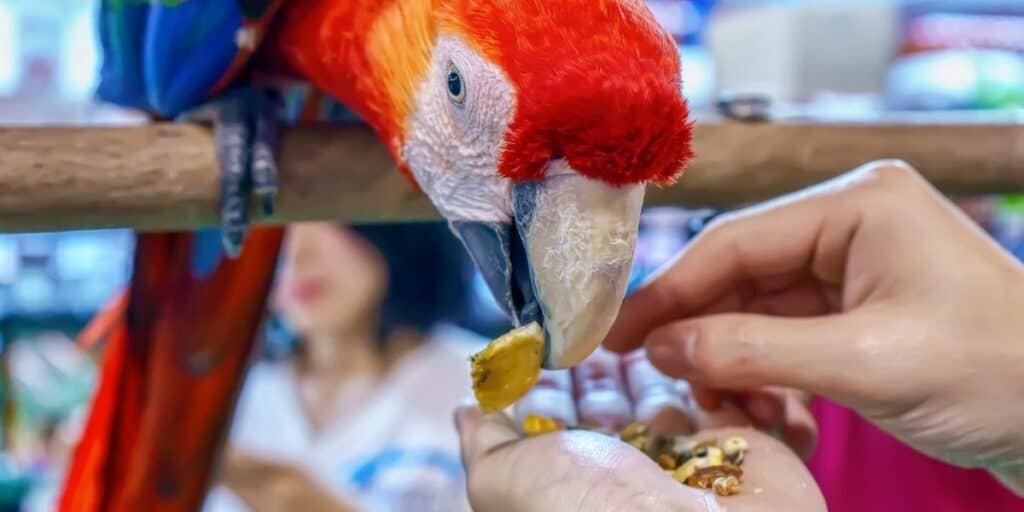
{"x":579,"y":470}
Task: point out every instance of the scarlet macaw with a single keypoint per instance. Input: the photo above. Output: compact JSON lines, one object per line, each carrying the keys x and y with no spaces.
{"x":532,"y":125}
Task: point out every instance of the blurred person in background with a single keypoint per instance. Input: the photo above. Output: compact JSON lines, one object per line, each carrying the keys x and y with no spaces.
{"x":853,"y":459}
{"x":359,"y":416}
{"x":858,"y":466}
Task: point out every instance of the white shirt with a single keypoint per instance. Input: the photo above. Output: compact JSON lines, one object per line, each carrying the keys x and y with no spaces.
{"x":399,"y":453}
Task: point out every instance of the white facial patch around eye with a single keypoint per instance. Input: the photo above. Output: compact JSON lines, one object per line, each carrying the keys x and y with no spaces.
{"x":453,"y":149}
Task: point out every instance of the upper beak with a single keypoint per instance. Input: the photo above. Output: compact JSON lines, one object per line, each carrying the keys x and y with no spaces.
{"x":564,"y":261}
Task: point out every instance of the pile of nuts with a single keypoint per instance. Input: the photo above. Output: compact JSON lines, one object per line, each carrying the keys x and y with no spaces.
{"x":702,"y":464}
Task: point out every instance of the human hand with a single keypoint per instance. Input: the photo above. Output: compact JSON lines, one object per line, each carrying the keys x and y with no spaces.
{"x":267,"y":484}
{"x":589,"y":471}
{"x":927,"y":342}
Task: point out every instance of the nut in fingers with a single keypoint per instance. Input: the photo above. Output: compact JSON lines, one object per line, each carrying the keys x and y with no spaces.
{"x":735,"y":448}
{"x":535,"y":425}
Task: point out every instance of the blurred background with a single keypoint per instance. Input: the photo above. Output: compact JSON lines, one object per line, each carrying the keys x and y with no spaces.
{"x":829,"y":59}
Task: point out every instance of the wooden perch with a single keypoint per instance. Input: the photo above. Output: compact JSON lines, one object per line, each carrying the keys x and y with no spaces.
{"x":163,"y":176}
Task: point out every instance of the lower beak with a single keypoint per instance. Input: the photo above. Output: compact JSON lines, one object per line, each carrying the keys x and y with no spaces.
{"x":564,"y":262}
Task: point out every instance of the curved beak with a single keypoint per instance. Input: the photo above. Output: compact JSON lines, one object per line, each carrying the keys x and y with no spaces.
{"x":564,"y":262}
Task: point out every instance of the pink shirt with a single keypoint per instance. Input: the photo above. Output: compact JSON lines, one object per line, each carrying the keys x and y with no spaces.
{"x":860,"y":468}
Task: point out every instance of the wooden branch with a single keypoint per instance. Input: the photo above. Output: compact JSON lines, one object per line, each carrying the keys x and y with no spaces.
{"x":163,"y":176}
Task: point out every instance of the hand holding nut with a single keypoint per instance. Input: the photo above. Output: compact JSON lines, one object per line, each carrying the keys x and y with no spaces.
{"x":573,"y":461}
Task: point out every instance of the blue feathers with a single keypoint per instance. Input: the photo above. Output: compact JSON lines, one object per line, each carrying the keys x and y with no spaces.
{"x":207,"y":252}
{"x":165,"y":56}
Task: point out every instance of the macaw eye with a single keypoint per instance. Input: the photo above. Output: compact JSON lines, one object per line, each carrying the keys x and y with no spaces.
{"x":456,"y":85}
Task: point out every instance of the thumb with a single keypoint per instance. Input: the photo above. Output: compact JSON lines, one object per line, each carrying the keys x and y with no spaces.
{"x":745,"y":351}
{"x":480,"y":434}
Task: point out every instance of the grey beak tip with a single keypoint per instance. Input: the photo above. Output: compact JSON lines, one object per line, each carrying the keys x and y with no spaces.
{"x":497,"y":252}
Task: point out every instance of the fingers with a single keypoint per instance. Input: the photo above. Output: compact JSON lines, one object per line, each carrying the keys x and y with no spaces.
{"x":767,"y":248}
{"x":551,"y":397}
{"x":603,"y":400}
{"x":738,"y":351}
{"x":706,"y":398}
{"x":728,"y":416}
{"x":663,"y":404}
{"x":480,"y":434}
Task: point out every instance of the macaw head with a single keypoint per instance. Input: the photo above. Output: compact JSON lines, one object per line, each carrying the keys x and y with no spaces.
{"x":534,"y":127}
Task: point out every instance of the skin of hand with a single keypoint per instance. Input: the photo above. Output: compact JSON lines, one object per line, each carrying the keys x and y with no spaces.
{"x":585,"y":470}
{"x":266,"y":484}
{"x":871,"y":290}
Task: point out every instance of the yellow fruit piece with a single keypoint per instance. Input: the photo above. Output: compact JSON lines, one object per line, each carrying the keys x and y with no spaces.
{"x":508,"y":367}
{"x":640,"y":443}
{"x":535,"y":425}
{"x":735,"y":449}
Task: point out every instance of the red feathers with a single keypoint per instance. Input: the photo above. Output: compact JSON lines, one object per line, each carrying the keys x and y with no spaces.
{"x":623,"y":127}
{"x":177,"y":352}
{"x":598,"y":83}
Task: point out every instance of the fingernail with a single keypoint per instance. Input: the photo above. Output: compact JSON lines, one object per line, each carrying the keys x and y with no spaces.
{"x":641,"y":375}
{"x":673,"y":355}
{"x":655,"y":401}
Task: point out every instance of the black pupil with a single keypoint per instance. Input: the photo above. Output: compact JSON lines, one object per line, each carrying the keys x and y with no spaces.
{"x":454,"y":84}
